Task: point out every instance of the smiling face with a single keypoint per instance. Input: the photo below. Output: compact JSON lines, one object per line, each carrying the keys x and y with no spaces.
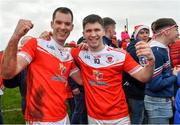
{"x":62,"y":26}
{"x":93,"y":33}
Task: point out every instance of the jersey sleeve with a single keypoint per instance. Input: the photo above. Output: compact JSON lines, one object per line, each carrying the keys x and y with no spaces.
{"x":130,"y":65}
{"x":74,"y":53}
{"x":28,"y":50}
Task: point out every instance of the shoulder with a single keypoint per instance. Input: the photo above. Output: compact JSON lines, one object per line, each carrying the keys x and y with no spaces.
{"x":116,"y":50}
{"x":75,"y":50}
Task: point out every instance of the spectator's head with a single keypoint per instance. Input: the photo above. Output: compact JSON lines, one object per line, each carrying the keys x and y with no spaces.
{"x":163,"y":23}
{"x":124,"y":36}
{"x":166,"y":28}
{"x":141,"y":32}
{"x":109,"y":27}
{"x":62,"y":24}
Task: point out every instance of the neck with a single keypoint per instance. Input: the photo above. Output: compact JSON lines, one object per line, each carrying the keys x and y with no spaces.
{"x":162,"y":40}
{"x":108,"y":36}
{"x":61,"y":43}
{"x":99,"y":48}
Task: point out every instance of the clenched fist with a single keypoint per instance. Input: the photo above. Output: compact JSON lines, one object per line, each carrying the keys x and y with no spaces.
{"x":143,"y":49}
{"x":23,"y":27}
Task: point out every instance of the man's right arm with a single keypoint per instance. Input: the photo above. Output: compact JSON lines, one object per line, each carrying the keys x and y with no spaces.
{"x":12,"y":64}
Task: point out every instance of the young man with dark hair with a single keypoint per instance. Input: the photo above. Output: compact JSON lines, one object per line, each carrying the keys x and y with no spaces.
{"x":109,"y":27}
{"x":49,"y":66}
{"x":160,"y":89}
{"x":101,"y":68}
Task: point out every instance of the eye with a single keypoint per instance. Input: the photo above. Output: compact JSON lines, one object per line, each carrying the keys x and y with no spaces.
{"x":58,"y":22}
{"x":96,"y":30}
{"x":88,"y":31}
{"x":67,"y":23}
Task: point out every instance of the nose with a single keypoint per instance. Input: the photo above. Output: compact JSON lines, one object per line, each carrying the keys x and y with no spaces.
{"x":145,"y":34}
{"x":93,"y":33}
{"x":62,"y":26}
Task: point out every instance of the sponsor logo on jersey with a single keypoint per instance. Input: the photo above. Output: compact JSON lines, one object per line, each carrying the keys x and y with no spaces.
{"x":110,"y":59}
{"x":87,"y":56}
{"x":97,"y":83}
{"x":57,"y":77}
{"x":51,"y":47}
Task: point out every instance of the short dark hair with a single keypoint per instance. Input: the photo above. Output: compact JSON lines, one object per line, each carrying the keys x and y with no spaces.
{"x":108,"y":21}
{"x":152,"y":27}
{"x":162,"y":23}
{"x":93,"y":18}
{"x":64,"y":10}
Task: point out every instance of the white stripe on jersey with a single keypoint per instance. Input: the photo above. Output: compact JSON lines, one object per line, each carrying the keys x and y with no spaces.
{"x":50,"y":47}
{"x":25,"y":55}
{"x":105,"y":58}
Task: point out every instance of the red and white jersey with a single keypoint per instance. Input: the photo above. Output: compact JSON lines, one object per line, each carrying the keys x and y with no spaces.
{"x":49,"y":67}
{"x":102,"y":78}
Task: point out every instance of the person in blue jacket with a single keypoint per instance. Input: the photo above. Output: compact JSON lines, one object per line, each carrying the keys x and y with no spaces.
{"x":159,"y":90}
{"x":177,"y":103}
{"x":134,"y":89}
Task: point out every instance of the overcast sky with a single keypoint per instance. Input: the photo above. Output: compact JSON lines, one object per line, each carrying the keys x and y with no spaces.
{"x":40,"y":13}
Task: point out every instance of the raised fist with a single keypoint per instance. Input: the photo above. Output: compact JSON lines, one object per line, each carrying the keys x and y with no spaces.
{"x":23,"y":27}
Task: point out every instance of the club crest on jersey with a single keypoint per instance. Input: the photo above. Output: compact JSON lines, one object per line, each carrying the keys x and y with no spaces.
{"x":98,"y":75}
{"x":110,"y":59}
{"x":62,"y":68}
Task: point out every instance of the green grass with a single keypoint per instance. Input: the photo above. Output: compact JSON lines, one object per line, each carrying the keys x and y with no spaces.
{"x":12,"y":100}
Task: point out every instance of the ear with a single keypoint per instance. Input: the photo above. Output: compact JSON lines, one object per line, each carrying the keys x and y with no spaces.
{"x":83,"y":33}
{"x":108,"y":30}
{"x":104,"y":32}
{"x":52,"y":24}
{"x":166,"y":32}
{"x":72,"y":27}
